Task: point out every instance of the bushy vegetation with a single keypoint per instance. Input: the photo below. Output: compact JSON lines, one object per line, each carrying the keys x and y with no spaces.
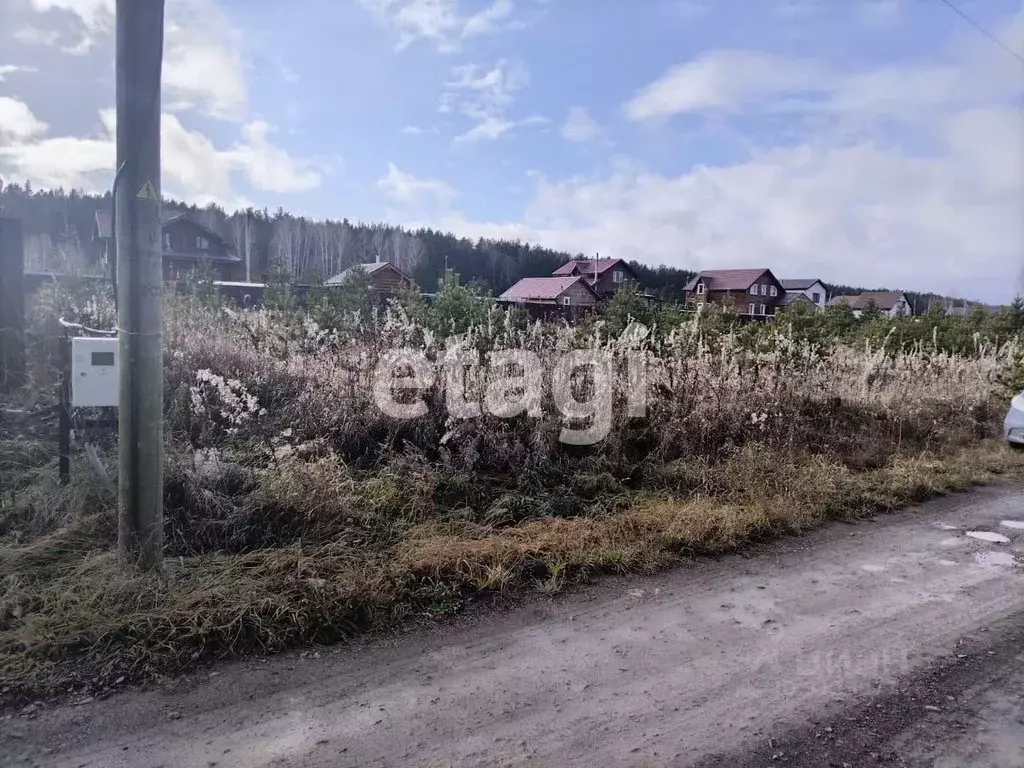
{"x":297,"y":511}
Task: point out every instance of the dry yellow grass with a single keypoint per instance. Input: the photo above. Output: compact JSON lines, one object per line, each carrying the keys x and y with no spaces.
{"x":68,"y":606}
{"x":657,"y":529}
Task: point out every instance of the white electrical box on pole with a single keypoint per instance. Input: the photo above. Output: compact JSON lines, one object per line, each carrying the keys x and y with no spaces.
{"x":95,"y":374}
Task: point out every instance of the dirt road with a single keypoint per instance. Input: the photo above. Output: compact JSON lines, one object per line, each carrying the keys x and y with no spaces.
{"x":894,"y":642}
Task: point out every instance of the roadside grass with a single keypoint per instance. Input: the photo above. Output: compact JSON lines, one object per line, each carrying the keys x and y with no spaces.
{"x":352,"y":552}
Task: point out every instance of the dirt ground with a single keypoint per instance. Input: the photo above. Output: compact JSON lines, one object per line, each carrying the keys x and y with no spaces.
{"x":892,"y":642}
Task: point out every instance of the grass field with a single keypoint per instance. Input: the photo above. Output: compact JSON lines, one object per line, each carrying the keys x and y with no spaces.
{"x":297,"y":512}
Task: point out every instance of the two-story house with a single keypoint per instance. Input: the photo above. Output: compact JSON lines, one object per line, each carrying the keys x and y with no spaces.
{"x":185,"y":244}
{"x":753,"y":292}
{"x":812,"y":288}
{"x":605,"y":276}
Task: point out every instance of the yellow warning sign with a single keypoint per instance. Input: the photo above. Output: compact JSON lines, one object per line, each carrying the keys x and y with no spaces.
{"x":147,"y":191}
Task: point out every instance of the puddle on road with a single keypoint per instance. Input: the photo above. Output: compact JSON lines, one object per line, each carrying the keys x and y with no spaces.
{"x":1016,"y":525}
{"x":950,"y":543}
{"x":947,"y":563}
{"x":947,"y":527}
{"x":872,"y":568}
{"x":995,"y":559}
{"x":995,"y":538}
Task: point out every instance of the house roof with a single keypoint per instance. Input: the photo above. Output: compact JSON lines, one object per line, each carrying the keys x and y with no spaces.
{"x":541,"y":288}
{"x":104,"y":220}
{"x":789,"y":299}
{"x":586,"y":266}
{"x":369,"y":269}
{"x":727,"y":279}
{"x":884,"y":300}
{"x":799,"y":284}
{"x":102,"y":229}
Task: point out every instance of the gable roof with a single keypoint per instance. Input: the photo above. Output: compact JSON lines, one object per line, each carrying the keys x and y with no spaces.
{"x":587,"y":266}
{"x":728,"y":279}
{"x":103,"y":227}
{"x":884,"y":300}
{"x":542,"y":288}
{"x":369,"y":269}
{"x":794,"y":298}
{"x":799,"y":284}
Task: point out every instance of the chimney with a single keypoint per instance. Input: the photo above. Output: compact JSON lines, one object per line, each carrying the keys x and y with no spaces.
{"x":380,"y":259}
{"x":596,"y":257}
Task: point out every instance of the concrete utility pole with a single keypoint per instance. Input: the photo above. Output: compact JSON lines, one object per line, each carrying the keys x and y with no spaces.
{"x":140,"y":36}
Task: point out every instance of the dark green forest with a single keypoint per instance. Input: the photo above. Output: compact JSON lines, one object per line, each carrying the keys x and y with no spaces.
{"x":59,"y":225}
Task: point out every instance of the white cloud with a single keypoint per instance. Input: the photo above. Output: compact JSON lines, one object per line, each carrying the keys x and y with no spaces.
{"x":17,"y":121}
{"x":720,"y":80}
{"x":857,"y":214}
{"x":485,"y":96}
{"x":415,"y":130}
{"x":96,"y":19}
{"x":31,"y":35}
{"x":270,"y":168}
{"x":492,"y":128}
{"x":69,"y":162}
{"x":488,"y":20}
{"x":439,"y":22}
{"x":580,"y":126}
{"x":193,"y":168}
{"x":202,"y":69}
{"x":735,"y":82}
{"x":416,"y":196}
{"x":10,"y":69}
{"x":202,"y":62}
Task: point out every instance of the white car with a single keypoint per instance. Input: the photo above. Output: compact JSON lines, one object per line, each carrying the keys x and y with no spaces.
{"x":1013,"y":424}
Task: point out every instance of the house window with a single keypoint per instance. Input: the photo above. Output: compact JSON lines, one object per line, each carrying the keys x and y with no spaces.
{"x":750,"y":309}
{"x":764,"y":289}
{"x":202,"y":243}
{"x":566,"y":300}
{"x":816,"y":297}
{"x":762,"y":310}
{"x":753,"y":290}
{"x":167,"y":241}
{"x":773,"y":291}
{"x":618,"y":276}
{"x":700,"y":289}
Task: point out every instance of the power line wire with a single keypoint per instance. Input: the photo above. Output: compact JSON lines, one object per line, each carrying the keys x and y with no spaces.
{"x":985,"y":32}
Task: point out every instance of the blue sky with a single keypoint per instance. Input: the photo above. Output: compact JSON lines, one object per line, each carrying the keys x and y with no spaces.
{"x":875,"y":142}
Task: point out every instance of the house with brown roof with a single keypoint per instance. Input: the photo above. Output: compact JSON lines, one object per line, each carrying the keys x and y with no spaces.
{"x":890,"y":303}
{"x":185,"y":244}
{"x":751,"y":292}
{"x":566,"y":294}
{"x":385,"y":278}
{"x":605,"y":276}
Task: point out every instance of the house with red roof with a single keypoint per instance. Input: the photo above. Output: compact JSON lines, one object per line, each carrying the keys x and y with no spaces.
{"x":751,"y":292}
{"x":564,"y":294}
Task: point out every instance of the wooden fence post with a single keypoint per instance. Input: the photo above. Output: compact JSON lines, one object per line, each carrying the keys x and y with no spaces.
{"x":12,"y":305}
